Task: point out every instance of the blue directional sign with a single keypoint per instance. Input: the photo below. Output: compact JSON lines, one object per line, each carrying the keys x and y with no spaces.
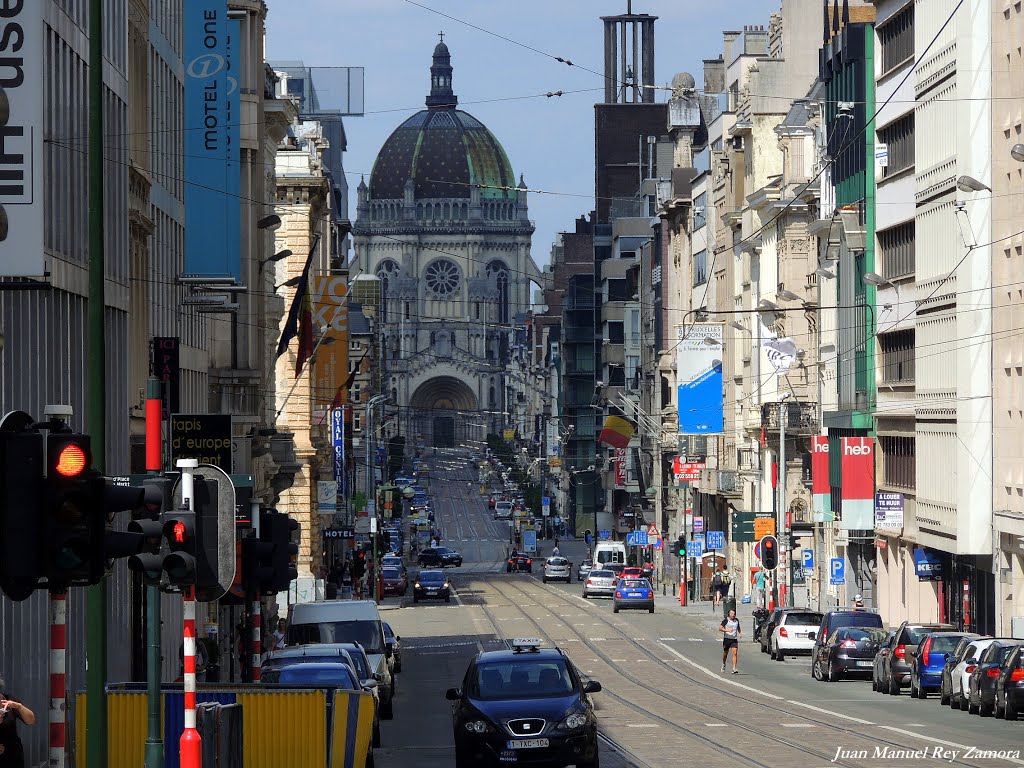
{"x":807,"y":557}
{"x":695,"y":548}
{"x":604,"y":535}
{"x":637,"y":538}
{"x":716,"y":539}
{"x":837,"y":571}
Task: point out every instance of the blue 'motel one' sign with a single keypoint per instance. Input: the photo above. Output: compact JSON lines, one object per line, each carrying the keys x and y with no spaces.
{"x":212,"y":114}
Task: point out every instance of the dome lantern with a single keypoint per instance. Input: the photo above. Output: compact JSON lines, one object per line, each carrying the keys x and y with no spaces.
{"x":441,"y":94}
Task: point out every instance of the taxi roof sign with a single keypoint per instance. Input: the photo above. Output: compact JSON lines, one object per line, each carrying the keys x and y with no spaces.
{"x":526,"y":643}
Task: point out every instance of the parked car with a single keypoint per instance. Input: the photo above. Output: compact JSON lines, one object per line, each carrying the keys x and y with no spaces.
{"x":848,"y":652}
{"x":928,"y":661}
{"x":439,"y":557}
{"x":431,"y":584}
{"x":981,"y":690}
{"x":960,"y":672}
{"x":793,"y":633}
{"x":832,"y":621}
{"x":584,"y":569}
{"x":394,"y":642}
{"x":520,"y":563}
{"x":600,"y":582}
{"x":393,"y":561}
{"x":953,"y":658}
{"x":1010,"y":686}
{"x":892,"y":662}
{"x":633,"y":593}
{"x":557,"y":568}
{"x":394,"y":581}
{"x":769,"y":627}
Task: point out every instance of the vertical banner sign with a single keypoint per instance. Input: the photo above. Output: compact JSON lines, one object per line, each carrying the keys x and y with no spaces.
{"x":554,"y":447}
{"x":338,"y":439}
{"x":212,"y":113}
{"x":21,"y":139}
{"x":167,"y":368}
{"x":820,"y":488}
{"x":327,"y":496}
{"x":620,"y":468}
{"x":699,"y":373}
{"x":858,"y":491}
{"x":329,"y":298}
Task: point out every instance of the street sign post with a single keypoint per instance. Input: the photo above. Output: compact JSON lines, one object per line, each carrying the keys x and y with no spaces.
{"x":698,"y":524}
{"x":807,"y":559}
{"x":716,"y":539}
{"x":636,"y":538}
{"x":694,"y":548}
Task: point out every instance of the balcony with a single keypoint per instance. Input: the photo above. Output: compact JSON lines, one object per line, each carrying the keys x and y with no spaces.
{"x":801,"y":418}
{"x":729,"y":483}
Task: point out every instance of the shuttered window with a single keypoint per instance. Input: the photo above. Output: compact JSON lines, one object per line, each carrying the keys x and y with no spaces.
{"x":899,"y":136}
{"x":899,"y":460}
{"x":897,"y":356}
{"x":897,"y":246}
{"x":897,"y":39}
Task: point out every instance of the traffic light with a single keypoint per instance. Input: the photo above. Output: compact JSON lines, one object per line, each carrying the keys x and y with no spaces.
{"x":147,"y":527}
{"x":21,"y":477}
{"x":770,"y":552}
{"x":257,"y":565}
{"x":679,"y":547}
{"x":180,"y":532}
{"x":72,"y":523}
{"x":284,"y":553}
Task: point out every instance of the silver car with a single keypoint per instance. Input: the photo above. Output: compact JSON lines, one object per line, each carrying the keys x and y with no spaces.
{"x":557,"y":568}
{"x":600,"y":582}
{"x":584,"y":569}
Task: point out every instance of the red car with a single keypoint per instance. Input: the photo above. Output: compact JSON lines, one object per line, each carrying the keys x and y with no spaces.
{"x":395,"y":581}
{"x":519,"y":563}
{"x":632,"y":572}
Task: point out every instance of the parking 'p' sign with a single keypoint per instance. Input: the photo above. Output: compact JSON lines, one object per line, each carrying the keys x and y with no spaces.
{"x":837,"y":571}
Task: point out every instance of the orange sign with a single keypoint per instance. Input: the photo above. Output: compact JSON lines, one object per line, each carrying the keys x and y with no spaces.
{"x":764,"y":526}
{"x":329,"y":297}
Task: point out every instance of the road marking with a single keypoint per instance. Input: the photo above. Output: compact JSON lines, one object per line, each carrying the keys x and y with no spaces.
{"x":642,"y":725}
{"x":716,"y":725}
{"x":829,"y":712}
{"x":717,"y":676}
{"x":695,"y":639}
{"x":934,"y":740}
{"x":798,"y":725}
{"x":667,"y":639}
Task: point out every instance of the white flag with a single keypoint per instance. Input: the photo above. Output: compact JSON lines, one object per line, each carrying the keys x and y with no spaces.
{"x":780,"y":353}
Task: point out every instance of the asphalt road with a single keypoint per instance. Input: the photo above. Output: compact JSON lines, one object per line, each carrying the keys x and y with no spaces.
{"x":664,"y":701}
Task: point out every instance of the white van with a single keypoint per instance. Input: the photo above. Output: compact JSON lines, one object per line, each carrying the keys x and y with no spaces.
{"x":346,"y":621}
{"x":609,"y":552}
{"x":503,"y":510}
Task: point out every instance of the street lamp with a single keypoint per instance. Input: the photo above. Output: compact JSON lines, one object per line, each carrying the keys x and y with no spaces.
{"x":782,"y":499}
{"x":788,"y":296}
{"x":271,"y":222}
{"x":1017,"y":152}
{"x":822,"y":272}
{"x":276,"y":257}
{"x":971,"y":184}
{"x":370,"y":491}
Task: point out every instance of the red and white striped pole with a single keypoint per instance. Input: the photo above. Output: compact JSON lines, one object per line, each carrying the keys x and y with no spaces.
{"x":190,"y":744}
{"x":255,"y":643}
{"x":58,"y":680}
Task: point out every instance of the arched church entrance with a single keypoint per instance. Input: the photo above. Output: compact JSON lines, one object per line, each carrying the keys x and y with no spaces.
{"x":442,"y":410}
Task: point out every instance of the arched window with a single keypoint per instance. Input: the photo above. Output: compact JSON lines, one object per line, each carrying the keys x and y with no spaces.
{"x":387,"y":271}
{"x":498,"y":272}
{"x":490,"y":397}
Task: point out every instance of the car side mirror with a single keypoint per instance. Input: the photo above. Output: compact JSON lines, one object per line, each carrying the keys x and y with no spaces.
{"x":369,"y":684}
{"x":453,"y":694}
{"x":591,"y":686}
{"x":812,"y":635}
{"x":971,"y":661}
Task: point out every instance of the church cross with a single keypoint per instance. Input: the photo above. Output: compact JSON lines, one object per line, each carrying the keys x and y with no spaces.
{"x":441,"y":35}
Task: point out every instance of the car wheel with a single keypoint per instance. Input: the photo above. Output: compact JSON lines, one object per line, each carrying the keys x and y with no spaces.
{"x":922,"y":692}
{"x":376,"y":734}
{"x":944,"y":697}
{"x":595,"y":763}
{"x":874,"y":683}
{"x":894,"y":686}
{"x":415,"y":599}
{"x":985,"y":710}
{"x":834,"y":674}
{"x":545,"y":579}
{"x":965,"y":702}
{"x":998,"y":711}
{"x":398,"y":667}
{"x":1009,"y":710}
{"x":913,"y":688}
{"x":448,"y":599}
{"x":650,"y":610}
{"x":779,"y":655}
{"x":972,"y":708}
{"x":463,"y":758}
{"x":369,"y":759}
{"x":387,"y":709}
{"x":615,"y":609}
{"x":816,"y":670}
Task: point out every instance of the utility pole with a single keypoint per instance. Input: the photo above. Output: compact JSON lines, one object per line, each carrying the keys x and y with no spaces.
{"x":783,"y":516}
{"x":154,"y":754}
{"x":370,"y":490}
{"x":96,"y":599}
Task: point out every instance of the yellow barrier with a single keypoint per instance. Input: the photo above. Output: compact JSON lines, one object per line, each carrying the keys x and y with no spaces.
{"x":279,"y":727}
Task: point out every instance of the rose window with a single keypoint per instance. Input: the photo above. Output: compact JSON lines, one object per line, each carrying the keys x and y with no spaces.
{"x":443,"y":278}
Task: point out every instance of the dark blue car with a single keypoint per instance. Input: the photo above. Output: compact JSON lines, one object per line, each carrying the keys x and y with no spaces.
{"x":928,"y":661}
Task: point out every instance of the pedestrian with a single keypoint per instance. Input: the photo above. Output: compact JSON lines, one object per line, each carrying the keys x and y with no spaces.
{"x":278,"y":635}
{"x":718,"y":586}
{"x":12,"y":754}
{"x":760,"y":585}
{"x":556,"y":551}
{"x":730,"y":629}
{"x":858,"y":603}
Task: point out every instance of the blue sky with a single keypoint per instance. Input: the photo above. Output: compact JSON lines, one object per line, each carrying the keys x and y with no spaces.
{"x":549,"y":140}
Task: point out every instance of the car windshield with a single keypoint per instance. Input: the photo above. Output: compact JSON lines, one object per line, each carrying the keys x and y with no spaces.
{"x":858,"y":635}
{"x":634,"y":584}
{"x":367,"y":633}
{"x":557,"y":561}
{"x":392,"y":561}
{"x":361,"y":662}
{"x":614,"y":567}
{"x":996,"y":654}
{"x":803,"y":619}
{"x":391,"y":573}
{"x":857,"y":619}
{"x":602,"y":574}
{"x":587,"y":564}
{"x":914,"y":635}
{"x":305,"y":674}
{"x":443,"y":550}
{"x":521,"y":680}
{"x":432,"y":577}
{"x":944,"y":643}
{"x":389,"y":633}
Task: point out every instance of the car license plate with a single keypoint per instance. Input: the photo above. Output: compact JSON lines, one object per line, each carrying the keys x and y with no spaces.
{"x":864,"y":663}
{"x":801,"y":634}
{"x":526,"y":743}
{"x":431,"y":591}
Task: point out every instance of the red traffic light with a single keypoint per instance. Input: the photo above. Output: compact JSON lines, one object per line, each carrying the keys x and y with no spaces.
{"x":179,"y":532}
{"x":769,"y":543}
{"x":71,"y":461}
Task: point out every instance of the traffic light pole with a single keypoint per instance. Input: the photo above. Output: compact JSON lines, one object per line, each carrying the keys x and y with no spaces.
{"x":190,"y":745}
{"x":154,"y":755}
{"x":58,"y":678}
{"x":96,"y":599}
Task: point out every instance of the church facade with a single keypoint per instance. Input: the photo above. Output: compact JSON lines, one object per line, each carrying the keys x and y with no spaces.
{"x":445,"y":227}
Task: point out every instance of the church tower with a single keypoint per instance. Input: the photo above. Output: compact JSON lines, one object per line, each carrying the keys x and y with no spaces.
{"x":444,"y":226}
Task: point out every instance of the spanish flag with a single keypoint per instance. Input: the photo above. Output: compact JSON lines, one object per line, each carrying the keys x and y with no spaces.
{"x":617,"y":432}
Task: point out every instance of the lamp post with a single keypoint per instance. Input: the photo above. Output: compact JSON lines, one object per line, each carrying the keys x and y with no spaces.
{"x":783,"y":517}
{"x":370,"y":494}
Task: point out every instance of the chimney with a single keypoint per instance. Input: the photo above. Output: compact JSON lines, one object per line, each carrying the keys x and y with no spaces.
{"x":728,"y":38}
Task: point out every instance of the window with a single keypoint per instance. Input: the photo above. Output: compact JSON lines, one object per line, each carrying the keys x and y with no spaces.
{"x":897,"y":356}
{"x":353,"y":365}
{"x":634,"y":327}
{"x":899,"y":136}
{"x":616,"y":333}
{"x":896,"y":37}
{"x":357,"y":393}
{"x":357,"y":422}
{"x":897,"y":247}
{"x":616,"y":376}
{"x":627,"y":255}
{"x":355,"y":346}
{"x":700,"y":210}
{"x":700,"y":268}
{"x":899,"y":460}
{"x":617,"y":289}
{"x":633,"y":371}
